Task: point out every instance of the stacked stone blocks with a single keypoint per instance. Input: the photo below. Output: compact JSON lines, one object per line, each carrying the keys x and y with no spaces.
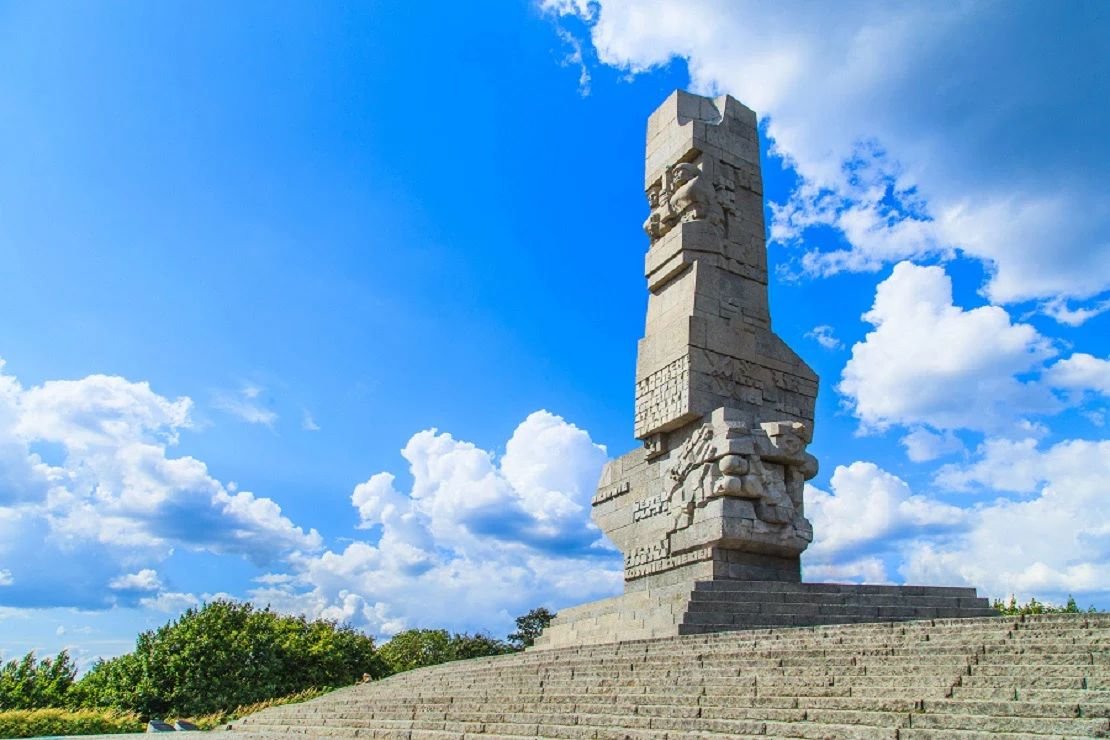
{"x":995,"y":678}
{"x":724,"y":409}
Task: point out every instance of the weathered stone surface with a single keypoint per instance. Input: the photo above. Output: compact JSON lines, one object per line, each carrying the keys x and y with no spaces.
{"x":926,"y":679}
{"x":723,"y":407}
{"x":720,"y":605}
{"x":708,"y":341}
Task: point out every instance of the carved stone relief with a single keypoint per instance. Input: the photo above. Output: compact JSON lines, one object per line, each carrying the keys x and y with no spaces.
{"x":662,"y":396}
{"x":684,"y":193}
{"x":766,"y":467}
{"x":688,"y":191}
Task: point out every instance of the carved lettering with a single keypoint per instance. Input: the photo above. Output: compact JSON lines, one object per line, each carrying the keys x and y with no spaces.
{"x":667,"y":563}
{"x":612,"y":492}
{"x":663,"y":396}
{"x":647,"y":554}
{"x":650,"y":507}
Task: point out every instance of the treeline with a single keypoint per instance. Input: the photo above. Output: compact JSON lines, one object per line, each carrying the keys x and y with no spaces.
{"x":227,"y":654}
{"x":1013,"y":608}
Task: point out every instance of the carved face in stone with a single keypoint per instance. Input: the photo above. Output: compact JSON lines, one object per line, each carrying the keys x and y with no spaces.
{"x":683,"y":173}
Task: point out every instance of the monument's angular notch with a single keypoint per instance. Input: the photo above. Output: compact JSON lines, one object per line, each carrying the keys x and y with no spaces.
{"x":709,"y":513}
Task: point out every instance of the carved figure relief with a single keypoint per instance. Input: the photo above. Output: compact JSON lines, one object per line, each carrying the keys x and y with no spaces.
{"x":767,"y":466}
{"x":691,"y":476}
{"x":694,"y":189}
{"x":690,"y":196}
{"x":683,"y":194}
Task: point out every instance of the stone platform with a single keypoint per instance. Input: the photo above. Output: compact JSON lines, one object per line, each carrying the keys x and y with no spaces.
{"x":718,"y":606}
{"x":989,"y":678}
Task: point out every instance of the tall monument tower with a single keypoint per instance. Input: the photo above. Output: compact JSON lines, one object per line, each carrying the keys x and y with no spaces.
{"x":711,"y":506}
{"x":709,"y":343}
{"x":723,"y":406}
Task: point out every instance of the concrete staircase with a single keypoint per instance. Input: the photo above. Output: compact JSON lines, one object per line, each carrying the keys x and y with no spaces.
{"x":998,"y":678}
{"x":716,"y":606}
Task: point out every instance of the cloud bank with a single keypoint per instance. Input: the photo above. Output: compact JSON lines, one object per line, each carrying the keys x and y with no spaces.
{"x":1051,"y":541}
{"x":917,"y":131}
{"x":87,"y":479}
{"x":475,"y":539}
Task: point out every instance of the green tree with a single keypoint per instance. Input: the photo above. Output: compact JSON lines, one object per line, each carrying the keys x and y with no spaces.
{"x":417,"y":648}
{"x":28,"y":683}
{"x":464,"y":646}
{"x":529,"y":627}
{"x":227,"y":654}
{"x":1013,"y":608}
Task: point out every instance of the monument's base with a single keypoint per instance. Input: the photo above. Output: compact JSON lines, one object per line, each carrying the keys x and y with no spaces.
{"x":719,"y":606}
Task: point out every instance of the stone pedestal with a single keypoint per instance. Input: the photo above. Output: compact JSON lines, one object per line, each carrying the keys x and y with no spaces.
{"x":720,"y":606}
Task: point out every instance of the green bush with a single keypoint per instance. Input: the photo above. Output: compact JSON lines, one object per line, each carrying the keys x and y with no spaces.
{"x":1013,"y":608}
{"x":218,"y":719}
{"x":35,"y":684}
{"x":35,"y":722}
{"x":224,"y":655}
{"x":417,"y":648}
{"x":529,"y":627}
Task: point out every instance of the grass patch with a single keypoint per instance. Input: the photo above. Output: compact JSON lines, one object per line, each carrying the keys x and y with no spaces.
{"x":218,"y":719}
{"x":37,"y":722}
{"x":34,"y":722}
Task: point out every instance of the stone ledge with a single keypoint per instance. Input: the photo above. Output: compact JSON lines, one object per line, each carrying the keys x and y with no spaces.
{"x":714,"y":606}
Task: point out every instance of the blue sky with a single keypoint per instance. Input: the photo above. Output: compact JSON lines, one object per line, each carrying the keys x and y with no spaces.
{"x":336,"y":308}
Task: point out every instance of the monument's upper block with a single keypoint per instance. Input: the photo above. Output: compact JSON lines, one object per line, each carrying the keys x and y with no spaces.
{"x":684,"y":122}
{"x":708,"y":341}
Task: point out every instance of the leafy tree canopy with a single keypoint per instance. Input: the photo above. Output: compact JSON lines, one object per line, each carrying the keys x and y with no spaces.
{"x":227,"y":654}
{"x":1013,"y":608}
{"x":417,"y":648}
{"x":529,"y":627}
{"x":35,"y":684}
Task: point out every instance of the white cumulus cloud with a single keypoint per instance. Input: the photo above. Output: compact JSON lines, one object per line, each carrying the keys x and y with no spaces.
{"x":1059,"y":309}
{"x":867,"y":510}
{"x":916,"y":129}
{"x":1038,"y":525}
{"x":930,"y":362}
{"x":1081,"y":372}
{"x":170,"y":602}
{"x":1052,"y":541}
{"x":923,"y":445}
{"x":145,"y":580}
{"x":477,"y":538}
{"x":113,"y":502}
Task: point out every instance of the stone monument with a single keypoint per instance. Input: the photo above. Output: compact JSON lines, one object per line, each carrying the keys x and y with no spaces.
{"x":712,"y":502}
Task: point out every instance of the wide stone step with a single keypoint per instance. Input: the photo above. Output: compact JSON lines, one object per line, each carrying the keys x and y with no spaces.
{"x":930,"y":679}
{"x":1087,"y":727}
{"x":737,"y":598}
{"x":951,"y":734}
{"x":1005,"y":693}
